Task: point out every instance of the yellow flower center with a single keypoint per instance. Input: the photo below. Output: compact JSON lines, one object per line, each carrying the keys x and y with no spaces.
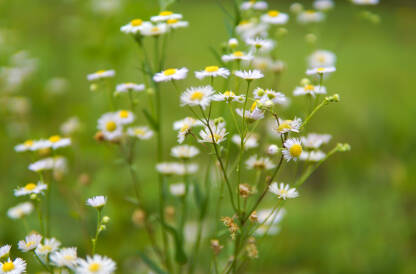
{"x":295,"y":150}
{"x":229,"y":94}
{"x":321,"y":70}
{"x":309,"y":88}
{"x":110,"y":126}
{"x":155,"y":29}
{"x":172,"y":21}
{"x":30,"y":186}
{"x":165,"y":13}
{"x":284,"y":126}
{"x":283,"y":192}
{"x":28,"y":143}
{"x":217,"y":137}
{"x":7,"y":266}
{"x":238,"y":54}
{"x":69,"y":257}
{"x":253,"y":106}
{"x":94,"y":267}
{"x":139,"y":132}
{"x":136,"y":22}
{"x":100,"y":71}
{"x":211,"y":69}
{"x":29,"y":244}
{"x":273,"y":13}
{"x":54,"y":138}
{"x":46,"y":248}
{"x":197,"y":95}
{"x":310,"y":12}
{"x":169,"y":72}
{"x":123,"y":114}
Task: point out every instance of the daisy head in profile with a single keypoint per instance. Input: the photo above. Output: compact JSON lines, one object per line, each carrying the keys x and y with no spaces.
{"x":320,"y":71}
{"x":228,"y":97}
{"x":135,"y":26}
{"x":274,"y":17}
{"x":292,"y":149}
{"x":56,"y":141}
{"x":65,"y":257}
{"x":128,"y":87}
{"x":283,"y":191}
{"x":96,"y":264}
{"x":142,"y":133}
{"x":184,"y":151}
{"x":20,"y":210}
{"x":48,"y":246}
{"x":31,"y":188}
{"x":260,"y":44}
{"x":170,"y":74}
{"x":251,"y":115}
{"x":259,"y":163}
{"x":176,"y":23}
{"x":197,"y":96}
{"x":249,"y":75}
{"x":16,"y":266}
{"x":212,"y":71}
{"x":254,"y":5}
{"x":31,"y":242}
{"x":154,"y":30}
{"x":101,"y":74}
{"x":165,"y":16}
{"x":97,"y":201}
{"x":285,"y":126}
{"x":309,"y":90}
{"x":237,"y":56}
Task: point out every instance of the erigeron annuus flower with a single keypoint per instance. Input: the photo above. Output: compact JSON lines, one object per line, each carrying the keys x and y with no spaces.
{"x":260,"y":44}
{"x":310,"y":16}
{"x":97,"y":201}
{"x":57,"y":163}
{"x":270,"y":216}
{"x":251,"y":29}
{"x":174,"y":168}
{"x":320,"y":71}
{"x":260,"y":163}
{"x":184,"y":152}
{"x":109,"y":124}
{"x":166,"y":15}
{"x":293,"y":149}
{"x":128,"y":87}
{"x":265,"y":95}
{"x":96,"y":265}
{"x":322,"y":58}
{"x":312,"y":156}
{"x":48,"y":246}
{"x":323,"y":5}
{"x":124,"y":117}
{"x":250,"y":141}
{"x":142,"y":133}
{"x":212,"y":71}
{"x":283,"y":191}
{"x":237,"y":55}
{"x":20,"y":210}
{"x":57,"y":141}
{"x":184,"y":126}
{"x":285,"y":126}
{"x":177,"y":189}
{"x":31,"y":188}
{"x":275,"y":17}
{"x":251,"y":115}
{"x":134,"y":26}
{"x":309,"y":89}
{"x":16,"y":266}
{"x":177,"y":24}
{"x":154,"y":30}
{"x":216,"y":136}
{"x":31,"y":242}
{"x":66,"y":257}
{"x":25,"y":146}
{"x":233,"y":43}
{"x":249,"y":74}
{"x":70,"y":126}
{"x":253,"y":4}
{"x":365,"y":2}
{"x":272,"y":149}
{"x":170,"y":74}
{"x":197,"y":96}
{"x":296,"y":8}
{"x":228,"y":96}
{"x":4,"y":251}
{"x":101,"y":74}
{"x":314,"y":140}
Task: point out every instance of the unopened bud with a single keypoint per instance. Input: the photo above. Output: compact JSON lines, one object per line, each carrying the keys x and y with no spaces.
{"x":150,"y":91}
{"x":296,"y":8}
{"x":170,"y":213}
{"x":138,"y":217}
{"x":102,"y":228}
{"x":218,"y":120}
{"x":233,"y":43}
{"x":343,"y":147}
{"x":272,"y":150}
{"x":106,"y":219}
{"x":305,"y":82}
{"x":99,"y":136}
{"x":333,"y":98}
{"x":93,"y":87}
{"x":311,"y":38}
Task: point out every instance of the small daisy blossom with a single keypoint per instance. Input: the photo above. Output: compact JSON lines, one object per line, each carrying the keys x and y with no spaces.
{"x":110,"y":126}
{"x":25,"y":146}
{"x":124,"y":117}
{"x":142,"y":133}
{"x":197,"y":96}
{"x":259,"y":163}
{"x":314,"y":140}
{"x":310,"y":16}
{"x":66,"y":257}
{"x":272,"y":149}
{"x":255,"y":5}
{"x":177,"y":24}
{"x":134,"y":26}
{"x":217,"y":136}
{"x":322,"y":58}
{"x":260,"y":44}
{"x":20,"y":210}
{"x":269,"y":229}
{"x":49,"y":246}
{"x":293,"y":149}
{"x":285,"y":126}
{"x":250,"y":141}
{"x":177,"y":189}
{"x":184,"y":152}
{"x":184,"y":126}
{"x":249,"y":75}
{"x":31,"y":188}
{"x":228,"y":97}
{"x":170,"y":74}
{"x":251,"y":115}
{"x":57,"y":163}
{"x":270,"y":216}
{"x":212,"y":71}
{"x":71,"y":126}
{"x":5,"y":250}
{"x":101,"y":74}
{"x":165,"y":16}
{"x":237,"y":55}
{"x":15,"y":266}
{"x":275,"y":17}
{"x":265,"y":95}
{"x":233,"y":43}
{"x":174,"y":168}
{"x":154,"y":30}
{"x":320,"y":71}
{"x":309,"y":89}
{"x":97,"y":201}
{"x":251,"y":29}
{"x":128,"y":87}
{"x":323,"y":5}
{"x":57,"y":141}
{"x":365,"y":2}
{"x":96,"y":265}
{"x":31,"y":242}
{"x":283,"y":191}
{"x":312,"y":156}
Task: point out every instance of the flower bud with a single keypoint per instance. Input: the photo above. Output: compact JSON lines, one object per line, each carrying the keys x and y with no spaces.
{"x":106,"y":219}
{"x":272,"y":150}
{"x":138,"y":217}
{"x":93,"y":87}
{"x":296,"y":8}
{"x":305,"y":82}
{"x":150,"y":91}
{"x":311,"y":38}
{"x":218,"y":120}
{"x":102,"y":228}
{"x":233,"y":43}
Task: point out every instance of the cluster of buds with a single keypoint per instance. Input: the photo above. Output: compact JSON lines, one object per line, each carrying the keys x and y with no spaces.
{"x":245,"y":190}
{"x":232,"y":226}
{"x":253,"y":217}
{"x":216,"y":246}
{"x":251,"y":248}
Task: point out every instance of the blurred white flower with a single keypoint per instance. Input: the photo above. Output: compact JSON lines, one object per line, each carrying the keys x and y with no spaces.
{"x":70,"y":126}
{"x":365,"y":2}
{"x":314,"y":140}
{"x":253,"y":4}
{"x":166,"y":15}
{"x":142,"y":133}
{"x":96,"y":264}
{"x":31,"y":242}
{"x":250,"y":141}
{"x":312,"y":156}
{"x":249,"y":74}
{"x":309,"y":90}
{"x":124,"y":117}
{"x":20,"y":210}
{"x":310,"y":16}
{"x":177,"y":189}
{"x":237,"y":55}
{"x":48,"y":246}
{"x":275,"y":17}
{"x":128,"y":87}
{"x":260,"y":163}
{"x":320,"y":71}
{"x":184,"y":151}
{"x":170,"y":74}
{"x":97,"y":201}
{"x":66,"y":257}
{"x":322,"y":58}
{"x":323,"y":5}
{"x":31,"y":188}
{"x":101,"y":74}
{"x":154,"y":30}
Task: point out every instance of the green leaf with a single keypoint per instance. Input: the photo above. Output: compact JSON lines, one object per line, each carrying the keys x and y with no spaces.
{"x":200,"y":200}
{"x":151,"y":264}
{"x":150,"y":119}
{"x":180,"y":255}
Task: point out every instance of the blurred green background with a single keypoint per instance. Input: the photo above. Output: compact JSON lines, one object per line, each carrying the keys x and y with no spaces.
{"x":355,"y":215}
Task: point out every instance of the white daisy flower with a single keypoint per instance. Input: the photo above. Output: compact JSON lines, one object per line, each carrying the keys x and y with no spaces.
{"x":253,"y":4}
{"x":97,"y":201}
{"x":260,"y":44}
{"x":142,"y":133}
{"x":272,"y":149}
{"x":101,"y":74}
{"x":249,"y":74}
{"x":310,"y":16}
{"x":251,"y":29}
{"x":320,"y":71}
{"x":177,"y":24}
{"x":184,"y":152}
{"x":154,"y":30}
{"x":66,"y":257}
{"x":170,"y":74}
{"x":16,"y":266}
{"x":228,"y":96}
{"x":283,"y":191}
{"x":212,"y":71}
{"x":237,"y":55}
{"x":365,"y":2}
{"x":174,"y":168}
{"x":296,"y":8}
{"x":20,"y":210}
{"x":124,"y":117}
{"x":270,"y":216}
{"x":31,"y":242}
{"x":30,"y":188}
{"x":184,"y":126}
{"x":96,"y":265}
{"x":309,"y":89}
{"x":259,"y":163}
{"x":312,"y":156}
{"x":218,"y":133}
{"x":5,"y":250}
{"x":165,"y":16}
{"x":70,"y":126}
{"x":323,"y":5}
{"x":57,"y":141}
{"x":314,"y":140}
{"x":26,"y":146}
{"x":48,"y":246}
{"x":269,"y":229}
{"x":250,"y":141}
{"x":293,"y":149}
{"x":265,"y":95}
{"x":57,"y":163}
{"x":134,"y":26}
{"x":128,"y":87}
{"x":177,"y":189}
{"x":285,"y":126}
{"x":322,"y":59}
{"x":197,"y":96}
{"x":251,"y":115}
{"x":109,"y":125}
{"x":275,"y":17}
